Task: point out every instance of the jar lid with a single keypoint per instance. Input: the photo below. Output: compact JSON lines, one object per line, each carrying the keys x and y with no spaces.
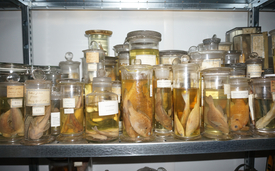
{"x":162,"y":71}
{"x":212,"y":54}
{"x":254,"y":59}
{"x":121,"y":48}
{"x":13,"y":67}
{"x":188,"y":66}
{"x":143,"y":34}
{"x":216,"y":71}
{"x":261,"y":80}
{"x":236,"y":81}
{"x":214,"y":39}
{"x":68,"y":57}
{"x":238,"y":66}
{"x":172,"y":53}
{"x":103,"y":32}
{"x":70,"y":81}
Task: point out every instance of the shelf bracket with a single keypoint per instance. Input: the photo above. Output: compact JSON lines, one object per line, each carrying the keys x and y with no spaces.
{"x":253,"y":17}
{"x":249,"y":159}
{"x":26,"y":34}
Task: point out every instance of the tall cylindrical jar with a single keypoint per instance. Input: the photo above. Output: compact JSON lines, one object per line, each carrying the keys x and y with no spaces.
{"x":239,"y":107}
{"x":71,"y":111}
{"x":100,"y":36}
{"x":187,"y":117}
{"x":11,"y":109}
{"x":122,"y":52}
{"x":102,"y":112}
{"x":37,"y":110}
{"x":69,"y":68}
{"x":216,"y":99}
{"x":163,"y":98}
{"x":137,"y":100}
{"x":144,"y":45}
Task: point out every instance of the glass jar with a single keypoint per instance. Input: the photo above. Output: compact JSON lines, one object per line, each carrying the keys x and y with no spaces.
{"x":237,"y":70}
{"x":212,"y":59}
{"x":20,"y":69}
{"x":167,"y":56}
{"x":163,"y":100}
{"x":239,"y":108}
{"x":100,"y":36}
{"x":242,"y":43}
{"x":144,"y":45}
{"x":137,"y":100}
{"x":272,"y":34}
{"x":216,"y":100}
{"x":71,"y":111}
{"x":211,"y":43}
{"x":187,"y":116}
{"x":232,"y":57}
{"x":111,"y":67}
{"x":94,"y":60}
{"x":226,"y":46}
{"x":263,"y":89}
{"x":11,"y":109}
{"x":102,"y":112}
{"x":37,"y":110}
{"x":254,"y":66}
{"x":116,"y":88}
{"x":69,"y":68}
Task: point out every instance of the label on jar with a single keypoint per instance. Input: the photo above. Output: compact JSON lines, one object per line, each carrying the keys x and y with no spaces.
{"x":273,"y":96}
{"x":92,"y":67}
{"x":15,"y":103}
{"x":38,"y":97}
{"x":254,"y":70}
{"x":272,"y":85}
{"x":117,"y":90}
{"x":15,"y":91}
{"x":55,"y":119}
{"x":211,"y":63}
{"x":147,"y":59}
{"x":250,"y":103}
{"x":38,"y":110}
{"x":68,"y":111}
{"x":107,"y":108}
{"x":151,"y":90}
{"x":239,"y":94}
{"x":227,"y":90}
{"x":163,"y":83}
{"x":68,"y":102}
{"x":258,"y":44}
{"x":214,"y":94}
{"x":92,"y":57}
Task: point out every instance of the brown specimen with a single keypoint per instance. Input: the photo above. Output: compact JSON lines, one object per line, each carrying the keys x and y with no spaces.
{"x":239,"y":114}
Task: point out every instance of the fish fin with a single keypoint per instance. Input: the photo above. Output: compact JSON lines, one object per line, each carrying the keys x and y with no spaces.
{"x":185,"y":97}
{"x":209,"y":100}
{"x":220,"y":109}
{"x":216,"y":123}
{"x":47,"y":127}
{"x":28,"y":121}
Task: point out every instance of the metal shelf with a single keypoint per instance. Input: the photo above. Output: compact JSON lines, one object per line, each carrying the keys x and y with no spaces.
{"x":117,"y":149}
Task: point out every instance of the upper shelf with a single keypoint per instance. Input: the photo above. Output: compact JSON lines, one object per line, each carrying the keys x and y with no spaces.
{"x":220,"y":5}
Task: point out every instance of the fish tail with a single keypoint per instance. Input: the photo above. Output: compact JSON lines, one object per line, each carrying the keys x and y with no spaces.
{"x":185,"y":97}
{"x":209,"y":99}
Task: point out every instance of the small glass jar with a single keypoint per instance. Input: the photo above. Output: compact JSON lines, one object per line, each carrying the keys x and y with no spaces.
{"x":167,"y":56}
{"x":211,"y":43}
{"x":69,"y":68}
{"x":137,"y":100}
{"x":144,"y":45}
{"x":187,"y":116}
{"x":212,"y":59}
{"x":37,"y":110}
{"x":242,"y":42}
{"x":11,"y":109}
{"x":237,"y":70}
{"x":226,"y":46}
{"x":216,"y":100}
{"x":71,"y":111}
{"x":264,"y":106}
{"x":163,"y":96}
{"x":232,"y":57}
{"x":239,"y":108}
{"x":254,"y":66}
{"x":100,"y":36}
{"x":200,"y":47}
{"x":111,"y":67}
{"x":102,"y":112}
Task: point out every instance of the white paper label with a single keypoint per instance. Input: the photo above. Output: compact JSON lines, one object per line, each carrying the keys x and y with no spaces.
{"x":117,"y":90}
{"x":239,"y":94}
{"x":147,"y":59}
{"x":254,"y":70}
{"x":107,"y":108}
{"x":92,"y":67}
{"x":15,"y":103}
{"x":68,"y":111}
{"x":55,"y":119}
{"x":69,"y":102}
{"x":163,"y":83}
{"x":37,"y":111}
{"x":227,"y":90}
{"x":211,"y":63}
{"x":250,"y":102}
{"x":151,"y":90}
{"x":273,"y":96}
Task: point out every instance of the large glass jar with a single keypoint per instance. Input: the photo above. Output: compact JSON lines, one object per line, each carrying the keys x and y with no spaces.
{"x":137,"y":100}
{"x":254,"y":66}
{"x":69,"y":68}
{"x":11,"y":109}
{"x":100,"y":36}
{"x":144,"y":45}
{"x":216,"y":100}
{"x":232,"y":57}
{"x":102,"y":112}
{"x":264,"y":93}
{"x":167,"y":56}
{"x":187,"y":116}
{"x":71,"y":111}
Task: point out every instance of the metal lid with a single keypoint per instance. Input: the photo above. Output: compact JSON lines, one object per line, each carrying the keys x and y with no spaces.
{"x":172,"y":52}
{"x":214,"y":39}
{"x":143,"y":34}
{"x":103,"y":32}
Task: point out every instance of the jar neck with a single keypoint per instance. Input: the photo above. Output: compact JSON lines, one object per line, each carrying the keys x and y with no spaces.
{"x":102,"y":89}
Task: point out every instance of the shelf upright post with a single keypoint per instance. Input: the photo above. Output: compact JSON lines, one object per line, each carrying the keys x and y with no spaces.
{"x":249,"y":159}
{"x":253,"y":17}
{"x":26,"y":34}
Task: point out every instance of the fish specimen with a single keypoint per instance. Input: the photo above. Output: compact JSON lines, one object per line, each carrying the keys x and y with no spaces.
{"x":265,"y":120}
{"x":239,"y":114}
{"x":186,"y":110}
{"x":178,"y":127}
{"x":111,"y":133}
{"x":215,"y":116}
{"x":193,"y":121}
{"x":161,"y":115}
{"x":36,"y":126}
{"x":139,"y":121}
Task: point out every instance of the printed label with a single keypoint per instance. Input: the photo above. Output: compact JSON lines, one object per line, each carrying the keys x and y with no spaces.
{"x":15,"y":91}
{"x":227,"y":90}
{"x":258,"y":44}
{"x":92,"y":67}
{"x":69,"y":102}
{"x":55,"y":119}
{"x":107,"y":108}
{"x":250,"y":102}
{"x":151,"y":90}
{"x":38,"y":97}
{"x":117,"y":90}
{"x":68,"y":111}
{"x":211,"y":63}
{"x":272,"y":86}
{"x":214,"y":94}
{"x":38,"y":110}
{"x":254,"y":70}
{"x":147,"y":59}
{"x":92,"y":57}
{"x":15,"y":103}
{"x":239,"y":94}
{"x":163,"y":83}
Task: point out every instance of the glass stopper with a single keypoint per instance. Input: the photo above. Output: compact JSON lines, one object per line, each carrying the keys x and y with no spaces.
{"x":69,"y":56}
{"x":38,"y":74}
{"x":101,"y":73}
{"x":13,"y":77}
